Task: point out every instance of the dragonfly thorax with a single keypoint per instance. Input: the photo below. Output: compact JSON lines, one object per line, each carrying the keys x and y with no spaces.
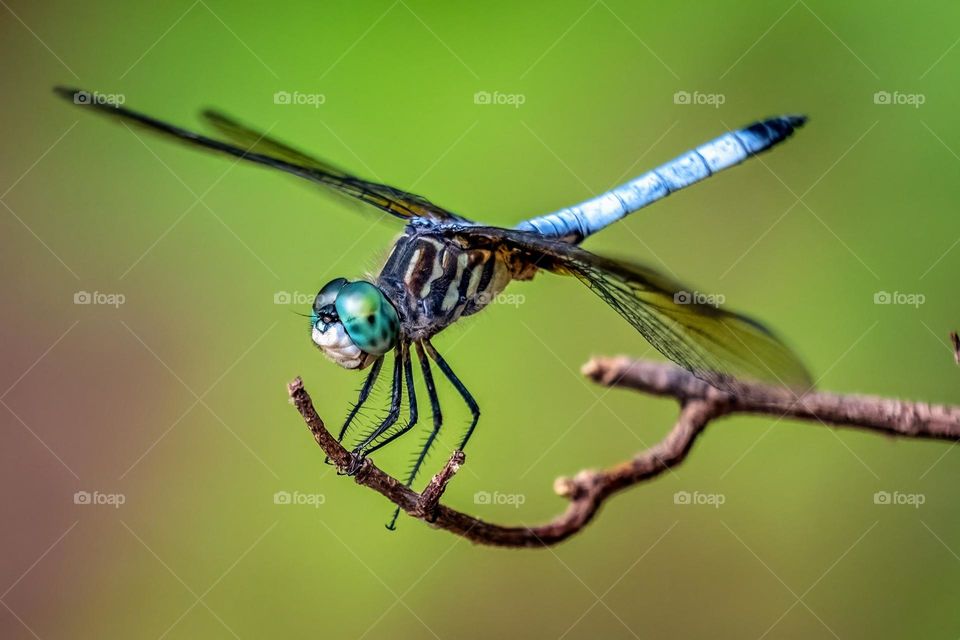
{"x":434,"y":281}
{"x":353,"y":323}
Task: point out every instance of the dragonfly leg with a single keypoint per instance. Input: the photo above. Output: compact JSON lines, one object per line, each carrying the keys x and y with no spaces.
{"x":455,"y":381}
{"x":364,"y":394}
{"x":437,"y":422}
{"x":411,"y":400}
{"x":393,"y":414}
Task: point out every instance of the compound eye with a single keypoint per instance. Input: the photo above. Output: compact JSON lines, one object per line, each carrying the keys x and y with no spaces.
{"x":368,"y":317}
{"x":328,"y":294}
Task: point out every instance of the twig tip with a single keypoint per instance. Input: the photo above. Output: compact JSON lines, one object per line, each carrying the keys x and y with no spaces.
{"x":564,"y":487}
{"x":295,"y":386}
{"x":590,"y":368}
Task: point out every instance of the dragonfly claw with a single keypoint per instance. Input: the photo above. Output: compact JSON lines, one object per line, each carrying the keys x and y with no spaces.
{"x":356,"y":463}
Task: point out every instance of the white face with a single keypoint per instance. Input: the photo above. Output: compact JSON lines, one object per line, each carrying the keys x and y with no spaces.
{"x":333,"y":340}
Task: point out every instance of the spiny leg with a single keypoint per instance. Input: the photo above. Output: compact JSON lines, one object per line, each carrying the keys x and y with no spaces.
{"x":437,"y":421}
{"x":411,"y":400}
{"x":364,"y":394}
{"x":396,"y":398}
{"x":435,"y":407}
{"x":452,"y":377}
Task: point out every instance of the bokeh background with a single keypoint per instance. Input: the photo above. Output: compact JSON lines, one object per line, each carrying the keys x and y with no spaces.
{"x":173,"y":402}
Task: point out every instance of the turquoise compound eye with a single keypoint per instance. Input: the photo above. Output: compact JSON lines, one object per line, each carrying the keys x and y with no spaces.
{"x":328,"y":294}
{"x":368,"y":317}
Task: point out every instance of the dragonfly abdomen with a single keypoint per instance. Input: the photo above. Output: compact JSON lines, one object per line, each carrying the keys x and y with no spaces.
{"x":579,"y":221}
{"x":435,"y":281}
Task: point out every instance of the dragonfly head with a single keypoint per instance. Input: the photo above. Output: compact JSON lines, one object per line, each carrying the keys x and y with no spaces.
{"x":353,"y":323}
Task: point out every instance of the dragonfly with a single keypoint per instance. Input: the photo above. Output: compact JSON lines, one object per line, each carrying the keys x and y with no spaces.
{"x":445,"y":267}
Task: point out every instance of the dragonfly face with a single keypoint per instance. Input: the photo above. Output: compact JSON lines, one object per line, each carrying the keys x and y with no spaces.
{"x":353,"y":323}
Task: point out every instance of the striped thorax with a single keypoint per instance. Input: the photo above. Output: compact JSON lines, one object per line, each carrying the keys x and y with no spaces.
{"x":433,"y":281}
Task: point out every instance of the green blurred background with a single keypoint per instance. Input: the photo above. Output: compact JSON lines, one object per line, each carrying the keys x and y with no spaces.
{"x":176,"y":401}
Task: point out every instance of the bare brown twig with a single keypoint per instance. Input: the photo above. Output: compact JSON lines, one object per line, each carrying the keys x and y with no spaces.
{"x":699,"y":404}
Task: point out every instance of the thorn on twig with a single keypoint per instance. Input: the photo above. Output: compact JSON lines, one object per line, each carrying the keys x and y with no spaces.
{"x":576,"y":487}
{"x":955,"y":339}
{"x":427,"y":503}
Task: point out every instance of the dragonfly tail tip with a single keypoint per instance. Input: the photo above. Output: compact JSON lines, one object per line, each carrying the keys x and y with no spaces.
{"x":796,"y":119}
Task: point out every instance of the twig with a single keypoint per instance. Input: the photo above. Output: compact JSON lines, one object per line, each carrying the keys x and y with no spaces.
{"x":430,"y":498}
{"x":955,"y":339}
{"x":699,"y":404}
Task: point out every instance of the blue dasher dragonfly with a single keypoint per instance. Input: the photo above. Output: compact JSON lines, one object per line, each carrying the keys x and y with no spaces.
{"x":445,"y":267}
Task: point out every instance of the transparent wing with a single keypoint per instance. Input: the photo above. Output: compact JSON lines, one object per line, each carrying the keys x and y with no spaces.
{"x":255,"y":147}
{"x":261,"y":143}
{"x":718,"y":346}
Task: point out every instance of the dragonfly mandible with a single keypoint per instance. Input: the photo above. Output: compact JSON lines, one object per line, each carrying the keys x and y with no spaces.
{"x":445,"y":267}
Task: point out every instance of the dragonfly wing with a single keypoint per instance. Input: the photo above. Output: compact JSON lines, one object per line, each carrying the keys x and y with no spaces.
{"x":718,"y":346}
{"x":260,"y":142}
{"x":257,"y":148}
